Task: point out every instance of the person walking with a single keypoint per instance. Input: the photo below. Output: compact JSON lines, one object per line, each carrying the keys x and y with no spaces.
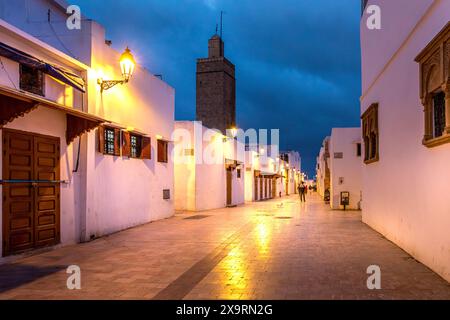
{"x":302,"y":191}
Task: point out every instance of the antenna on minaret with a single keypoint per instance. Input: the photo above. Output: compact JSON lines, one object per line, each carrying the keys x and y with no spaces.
{"x":217,"y":27}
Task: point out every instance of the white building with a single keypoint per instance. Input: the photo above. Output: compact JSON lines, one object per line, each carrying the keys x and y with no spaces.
{"x":345,"y":168}
{"x":262,"y":173}
{"x":78,"y":162}
{"x":323,"y":169}
{"x":291,"y":172}
{"x":209,"y":170}
{"x":405,"y":105}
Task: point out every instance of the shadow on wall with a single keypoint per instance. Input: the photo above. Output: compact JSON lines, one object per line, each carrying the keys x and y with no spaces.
{"x":23,"y":274}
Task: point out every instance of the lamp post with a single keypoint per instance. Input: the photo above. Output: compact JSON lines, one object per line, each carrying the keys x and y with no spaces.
{"x":127,"y":65}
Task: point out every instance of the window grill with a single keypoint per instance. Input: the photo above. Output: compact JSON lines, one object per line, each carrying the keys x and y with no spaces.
{"x":135,"y":143}
{"x":439,"y":114}
{"x":31,"y":80}
{"x":109,"y":141}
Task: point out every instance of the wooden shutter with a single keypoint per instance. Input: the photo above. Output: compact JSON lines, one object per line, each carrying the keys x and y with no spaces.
{"x":126,"y":144}
{"x":101,"y":139}
{"x":162,"y":151}
{"x":146,"y":150}
{"x":117,"y":142}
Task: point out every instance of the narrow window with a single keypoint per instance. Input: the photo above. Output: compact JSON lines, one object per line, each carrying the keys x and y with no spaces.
{"x":239,"y":173}
{"x":109,"y":141}
{"x":135,"y":146}
{"x":439,"y":114}
{"x":31,"y":80}
{"x":371,"y":134}
{"x":366,"y":148}
{"x":358,"y":150}
{"x":373,"y":145}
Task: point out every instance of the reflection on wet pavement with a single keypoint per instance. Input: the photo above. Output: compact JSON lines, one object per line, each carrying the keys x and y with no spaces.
{"x":278,"y":249}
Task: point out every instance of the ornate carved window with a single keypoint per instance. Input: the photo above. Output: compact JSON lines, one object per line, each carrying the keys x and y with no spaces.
{"x":434,"y":63}
{"x":370,"y":134}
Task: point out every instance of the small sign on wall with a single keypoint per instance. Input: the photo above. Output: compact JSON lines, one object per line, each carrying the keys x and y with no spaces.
{"x":166,"y":194}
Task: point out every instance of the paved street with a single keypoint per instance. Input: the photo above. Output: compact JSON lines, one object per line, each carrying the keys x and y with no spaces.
{"x":277,"y":249}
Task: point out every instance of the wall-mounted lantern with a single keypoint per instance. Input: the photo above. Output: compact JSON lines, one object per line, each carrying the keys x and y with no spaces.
{"x":127,"y":65}
{"x":231,"y":131}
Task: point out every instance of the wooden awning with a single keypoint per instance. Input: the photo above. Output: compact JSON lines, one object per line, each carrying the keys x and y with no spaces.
{"x":54,"y":71}
{"x":131,"y":130}
{"x":233,"y":164}
{"x":15,"y":103}
{"x":269,"y":175}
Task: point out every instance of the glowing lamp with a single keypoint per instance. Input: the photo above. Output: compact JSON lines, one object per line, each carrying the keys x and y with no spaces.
{"x":233,"y":132}
{"x":127,"y":65}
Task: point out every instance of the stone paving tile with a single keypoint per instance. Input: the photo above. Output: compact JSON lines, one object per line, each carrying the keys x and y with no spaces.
{"x":236,"y":253}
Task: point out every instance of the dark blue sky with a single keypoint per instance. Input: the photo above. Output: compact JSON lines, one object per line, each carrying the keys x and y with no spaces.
{"x":297,"y":61}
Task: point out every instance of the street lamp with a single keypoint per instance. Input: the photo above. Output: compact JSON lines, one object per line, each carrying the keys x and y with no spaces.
{"x":127,"y":65}
{"x":233,"y":131}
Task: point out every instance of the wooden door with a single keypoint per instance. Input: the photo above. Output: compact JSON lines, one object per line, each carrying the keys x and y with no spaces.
{"x":229,"y":186}
{"x":274,"y":188}
{"x":266,"y":188}
{"x":256,"y":188}
{"x":270,"y":188}
{"x":46,"y":195}
{"x":287,"y":182}
{"x":261,"y":188}
{"x":30,"y":209}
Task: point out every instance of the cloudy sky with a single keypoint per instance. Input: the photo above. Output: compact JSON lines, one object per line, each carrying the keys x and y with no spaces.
{"x":297,"y":61}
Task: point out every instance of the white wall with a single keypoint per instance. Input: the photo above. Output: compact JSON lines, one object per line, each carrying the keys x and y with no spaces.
{"x":114,"y":192}
{"x":48,"y":122}
{"x":406,"y":191}
{"x":184,"y":166}
{"x":125,"y":192}
{"x":31,"y":16}
{"x":201,"y":182}
{"x":323,"y":162}
{"x":345,"y":140}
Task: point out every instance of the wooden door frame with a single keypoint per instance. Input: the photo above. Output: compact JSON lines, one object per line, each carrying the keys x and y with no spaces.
{"x":5,"y":229}
{"x":229,"y":191}
{"x":255,"y":181}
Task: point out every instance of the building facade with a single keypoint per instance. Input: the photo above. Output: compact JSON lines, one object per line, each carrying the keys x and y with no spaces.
{"x":262,"y":174}
{"x":78,"y":162}
{"x":345,"y":168}
{"x":405,"y":107}
{"x":209,"y":170}
{"x":291,"y":172}
{"x":323,"y":170}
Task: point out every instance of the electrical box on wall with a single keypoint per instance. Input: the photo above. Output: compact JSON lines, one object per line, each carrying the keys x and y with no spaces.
{"x":166,"y":194}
